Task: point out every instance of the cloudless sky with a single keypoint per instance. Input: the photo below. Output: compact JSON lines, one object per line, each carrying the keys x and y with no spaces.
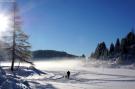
{"x":76,"y":26}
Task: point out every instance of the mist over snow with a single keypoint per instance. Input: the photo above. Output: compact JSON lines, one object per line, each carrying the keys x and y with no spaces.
{"x":59,"y":64}
{"x":54,"y":64}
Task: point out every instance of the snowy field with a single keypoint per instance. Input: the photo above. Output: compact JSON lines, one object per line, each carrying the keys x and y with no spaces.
{"x":84,"y":75}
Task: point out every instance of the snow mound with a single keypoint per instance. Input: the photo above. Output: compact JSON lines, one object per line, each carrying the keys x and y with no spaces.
{"x":10,"y":81}
{"x":15,"y":84}
{"x":15,"y":80}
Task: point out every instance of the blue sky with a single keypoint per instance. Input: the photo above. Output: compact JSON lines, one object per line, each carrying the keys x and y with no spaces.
{"x":76,"y":26}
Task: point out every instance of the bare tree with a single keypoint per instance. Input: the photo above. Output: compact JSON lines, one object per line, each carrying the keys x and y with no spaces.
{"x":20,"y":48}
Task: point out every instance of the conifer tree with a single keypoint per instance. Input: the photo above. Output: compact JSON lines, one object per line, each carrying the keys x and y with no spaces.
{"x":111,"y":50}
{"x":130,"y":38}
{"x":20,"y":48}
{"x":124,"y":46}
{"x":101,"y":51}
{"x":117,"y":46}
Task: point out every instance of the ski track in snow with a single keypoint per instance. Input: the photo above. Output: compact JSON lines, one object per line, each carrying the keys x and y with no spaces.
{"x":86,"y":79}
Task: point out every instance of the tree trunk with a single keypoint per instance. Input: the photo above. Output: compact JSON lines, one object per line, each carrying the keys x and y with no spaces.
{"x":13,"y":52}
{"x":12,"y":66}
{"x":13,"y":47}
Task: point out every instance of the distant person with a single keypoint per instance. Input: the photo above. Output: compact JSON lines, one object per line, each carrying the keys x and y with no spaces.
{"x":68,"y":74}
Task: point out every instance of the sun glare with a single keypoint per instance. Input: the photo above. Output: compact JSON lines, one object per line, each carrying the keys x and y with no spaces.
{"x":4,"y":23}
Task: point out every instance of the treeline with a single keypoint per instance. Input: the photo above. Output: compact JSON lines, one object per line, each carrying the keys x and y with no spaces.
{"x":123,"y":51}
{"x":45,"y":54}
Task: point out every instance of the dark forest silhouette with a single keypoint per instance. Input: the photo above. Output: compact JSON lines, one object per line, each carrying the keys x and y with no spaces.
{"x":123,"y":50}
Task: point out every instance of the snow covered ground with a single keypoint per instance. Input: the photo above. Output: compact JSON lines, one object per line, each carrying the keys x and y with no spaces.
{"x":84,"y":75}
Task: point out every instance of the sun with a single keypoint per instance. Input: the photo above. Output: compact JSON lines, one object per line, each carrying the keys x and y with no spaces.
{"x":4,"y":22}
